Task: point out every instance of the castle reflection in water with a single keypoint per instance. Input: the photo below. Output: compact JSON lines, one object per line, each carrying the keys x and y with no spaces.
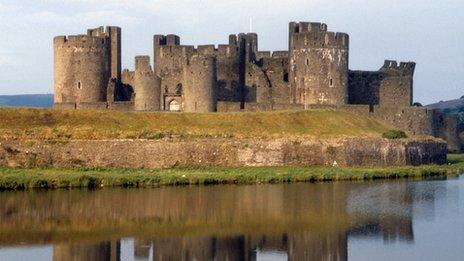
{"x":301,"y":221}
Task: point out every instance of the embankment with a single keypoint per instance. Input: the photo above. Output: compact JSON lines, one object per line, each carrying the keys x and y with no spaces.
{"x":222,"y":152}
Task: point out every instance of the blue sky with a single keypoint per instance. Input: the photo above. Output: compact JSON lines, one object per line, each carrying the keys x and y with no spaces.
{"x":429,"y":32}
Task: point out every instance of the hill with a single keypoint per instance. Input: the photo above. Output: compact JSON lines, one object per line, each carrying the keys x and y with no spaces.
{"x":450,"y":106}
{"x":51,"y":124}
{"x":27,"y":100}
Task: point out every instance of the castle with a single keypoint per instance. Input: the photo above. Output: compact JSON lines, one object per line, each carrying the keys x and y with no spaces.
{"x":313,"y":73}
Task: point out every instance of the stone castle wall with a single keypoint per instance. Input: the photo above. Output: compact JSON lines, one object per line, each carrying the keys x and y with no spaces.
{"x":222,"y":152}
{"x":391,"y":86}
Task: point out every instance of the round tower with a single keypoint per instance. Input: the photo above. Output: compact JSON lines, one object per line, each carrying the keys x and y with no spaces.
{"x":147,"y":86}
{"x":82,"y":70}
{"x":318,"y":64}
{"x":199,"y":92}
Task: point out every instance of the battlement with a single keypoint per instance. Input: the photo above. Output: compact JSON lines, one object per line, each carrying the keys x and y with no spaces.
{"x":142,"y":62}
{"x":403,"y":68}
{"x":306,"y":27}
{"x":80,"y":41}
{"x":99,"y":36}
{"x":103,"y":31}
{"x":176,"y":50}
{"x":225,"y":50}
{"x":268,"y":54}
{"x":170,"y":39}
{"x":319,"y":39}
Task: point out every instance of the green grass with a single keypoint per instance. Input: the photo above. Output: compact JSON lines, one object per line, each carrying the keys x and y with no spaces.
{"x":46,"y":124}
{"x":18,"y":179}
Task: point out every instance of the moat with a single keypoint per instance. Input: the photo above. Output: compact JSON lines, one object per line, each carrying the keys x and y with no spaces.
{"x":381,"y":220}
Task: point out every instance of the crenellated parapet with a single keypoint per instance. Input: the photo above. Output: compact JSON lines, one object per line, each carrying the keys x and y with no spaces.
{"x":170,"y":39}
{"x":83,"y":42}
{"x":320,"y":40}
{"x":391,"y":86}
{"x":306,"y":27}
{"x":401,"y":69}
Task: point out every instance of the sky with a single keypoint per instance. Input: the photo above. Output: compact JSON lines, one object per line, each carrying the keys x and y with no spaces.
{"x":428,"y":32}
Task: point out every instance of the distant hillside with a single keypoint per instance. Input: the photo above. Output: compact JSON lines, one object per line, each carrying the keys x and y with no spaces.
{"x":451,"y":106}
{"x":27,"y":100}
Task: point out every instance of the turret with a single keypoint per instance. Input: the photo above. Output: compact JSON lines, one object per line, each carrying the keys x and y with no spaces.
{"x":169,"y":57}
{"x":81,"y":66}
{"x":248,"y":46}
{"x":403,"y":69}
{"x":84,"y":65}
{"x":318,"y":64}
{"x":113,"y":33}
{"x":396,"y":84}
{"x":147,"y":86}
{"x":200,"y":84}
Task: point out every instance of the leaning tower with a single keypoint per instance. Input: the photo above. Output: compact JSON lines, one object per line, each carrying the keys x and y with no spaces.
{"x":318,"y":64}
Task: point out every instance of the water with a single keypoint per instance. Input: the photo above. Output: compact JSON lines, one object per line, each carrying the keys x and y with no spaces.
{"x":388,"y":220}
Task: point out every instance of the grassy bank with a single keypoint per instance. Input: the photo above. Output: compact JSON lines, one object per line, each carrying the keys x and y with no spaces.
{"x":17,"y":179}
{"x":43,"y":124}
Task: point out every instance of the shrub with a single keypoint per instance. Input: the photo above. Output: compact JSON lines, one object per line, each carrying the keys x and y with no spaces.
{"x":394,"y":134}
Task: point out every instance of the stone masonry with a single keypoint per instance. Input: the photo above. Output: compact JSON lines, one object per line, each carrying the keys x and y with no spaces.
{"x":237,"y":76}
{"x":313,"y":71}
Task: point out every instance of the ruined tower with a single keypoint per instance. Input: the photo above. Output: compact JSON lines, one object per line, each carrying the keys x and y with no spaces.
{"x":81,"y":68}
{"x":200,"y":84}
{"x":318,"y":64}
{"x":396,"y":84}
{"x":169,"y":57}
{"x":84,"y":64}
{"x":113,"y":33}
{"x":228,"y":70}
{"x":147,"y":86}
{"x":248,"y":45}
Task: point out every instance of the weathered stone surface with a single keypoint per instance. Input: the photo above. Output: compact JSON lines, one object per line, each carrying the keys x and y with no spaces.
{"x":236,"y":76}
{"x":222,"y":152}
